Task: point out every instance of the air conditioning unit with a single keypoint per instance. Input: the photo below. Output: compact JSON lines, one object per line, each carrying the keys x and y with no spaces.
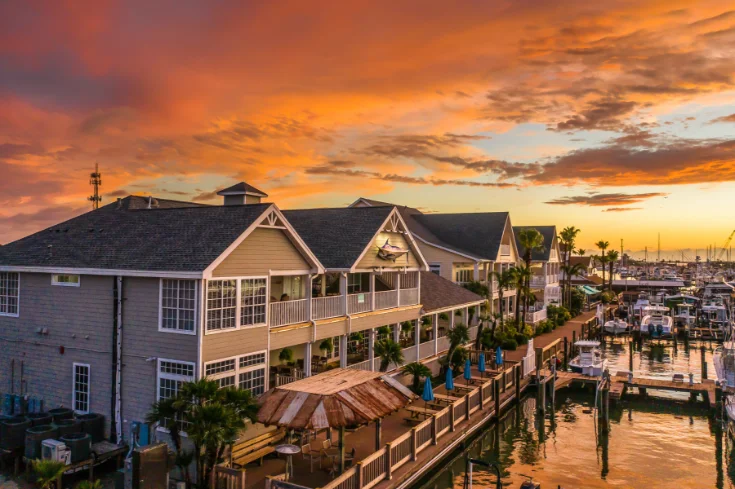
{"x":55,"y":450}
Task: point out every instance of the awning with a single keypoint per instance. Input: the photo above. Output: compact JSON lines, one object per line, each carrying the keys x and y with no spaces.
{"x":588,"y":290}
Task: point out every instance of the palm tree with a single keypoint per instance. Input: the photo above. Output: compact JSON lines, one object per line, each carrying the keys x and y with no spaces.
{"x":389,"y":352}
{"x":166,"y":415}
{"x":483,"y":291}
{"x":214,"y":418}
{"x":612,"y":257}
{"x":48,"y":472}
{"x":568,"y":237}
{"x":458,"y":336}
{"x":569,"y":272}
{"x":506,"y":279}
{"x":531,"y":240}
{"x":523,"y":277}
{"x":602,"y":245}
{"x":418,"y":370}
{"x":581,"y":251}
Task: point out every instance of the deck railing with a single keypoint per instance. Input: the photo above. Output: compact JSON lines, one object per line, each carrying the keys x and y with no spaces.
{"x":289,"y":312}
{"x":227,"y":478}
{"x":386,"y":299}
{"x":426,"y":350}
{"x":361,"y":302}
{"x":535,"y":317}
{"x":365,"y":365}
{"x":381,"y":464}
{"x":328,"y":307}
{"x":409,"y":297}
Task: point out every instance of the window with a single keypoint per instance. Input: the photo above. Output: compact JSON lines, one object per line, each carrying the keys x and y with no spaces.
{"x":221,"y":304}
{"x":253,"y":299}
{"x":463,"y":276}
{"x":9,"y":287}
{"x":435,"y":268}
{"x":254,"y":381}
{"x":247,"y":372}
{"x":336,"y":343}
{"x":178,"y":305}
{"x":358,"y":282}
{"x":171,"y":375}
{"x":80,"y":400}
{"x":65,"y":280}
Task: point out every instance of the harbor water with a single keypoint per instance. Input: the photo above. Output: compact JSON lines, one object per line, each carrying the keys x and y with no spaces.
{"x":660,"y":441}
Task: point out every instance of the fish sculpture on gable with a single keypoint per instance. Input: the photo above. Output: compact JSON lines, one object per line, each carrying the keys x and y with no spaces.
{"x":390,"y":252}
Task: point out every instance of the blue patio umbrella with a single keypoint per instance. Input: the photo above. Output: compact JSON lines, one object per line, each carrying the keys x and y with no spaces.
{"x":450,"y":379}
{"x":481,"y":364}
{"x":428,"y":394}
{"x":499,"y":356}
{"x":467,"y":371}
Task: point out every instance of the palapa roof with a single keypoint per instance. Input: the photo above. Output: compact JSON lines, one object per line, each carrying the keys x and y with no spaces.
{"x":336,"y":398}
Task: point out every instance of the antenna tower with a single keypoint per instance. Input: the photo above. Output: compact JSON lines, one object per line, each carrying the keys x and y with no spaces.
{"x":95,"y":179}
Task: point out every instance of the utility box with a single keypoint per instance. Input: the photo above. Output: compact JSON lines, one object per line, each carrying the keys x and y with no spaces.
{"x":151,"y":466}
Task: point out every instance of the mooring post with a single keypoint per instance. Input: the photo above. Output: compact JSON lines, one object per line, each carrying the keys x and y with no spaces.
{"x":496,"y":395}
{"x":517,"y":370}
{"x":704,"y":363}
{"x":566,"y":353}
{"x":630,"y":356}
{"x":606,"y":404}
{"x":574,"y":340}
{"x":553,"y":385}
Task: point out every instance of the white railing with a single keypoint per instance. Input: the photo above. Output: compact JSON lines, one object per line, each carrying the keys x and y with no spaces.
{"x":442,"y":344}
{"x":409,"y":297}
{"x":386,"y":300}
{"x":361,"y":302}
{"x":287,"y":379}
{"x":409,"y":354}
{"x":327,"y":307}
{"x":289,"y":312}
{"x":535,"y":317}
{"x":365,"y":365}
{"x":426,"y":350}
{"x":504,"y":250}
{"x":538,"y":281}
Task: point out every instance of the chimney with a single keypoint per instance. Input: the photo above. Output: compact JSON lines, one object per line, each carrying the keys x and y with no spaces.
{"x":242,"y":194}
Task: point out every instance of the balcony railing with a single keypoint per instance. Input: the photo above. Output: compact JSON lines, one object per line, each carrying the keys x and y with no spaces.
{"x":409,"y":297}
{"x":289,"y":312}
{"x":361,"y":302}
{"x":535,"y":317}
{"x":327,"y":307}
{"x":386,"y":299}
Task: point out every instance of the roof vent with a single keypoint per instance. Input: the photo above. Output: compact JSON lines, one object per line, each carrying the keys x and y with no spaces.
{"x":241,"y":194}
{"x":152,"y":203}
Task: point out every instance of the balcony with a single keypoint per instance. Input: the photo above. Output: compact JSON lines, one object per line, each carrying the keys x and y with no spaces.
{"x":360,"y":302}
{"x":289,"y":312}
{"x":386,"y":299}
{"x":544,"y":280}
{"x":328,"y":307}
{"x":409,"y":297}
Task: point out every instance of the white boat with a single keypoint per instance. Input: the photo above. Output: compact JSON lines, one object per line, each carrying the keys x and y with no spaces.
{"x":616,"y":326}
{"x":714,"y":314}
{"x":724,"y":361}
{"x":589,"y":361}
{"x":730,"y":407}
{"x":683,"y":318}
{"x":656,"y":323}
{"x":639,"y":305}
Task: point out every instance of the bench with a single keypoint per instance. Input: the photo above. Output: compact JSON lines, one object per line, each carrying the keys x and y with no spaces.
{"x":255,"y":449}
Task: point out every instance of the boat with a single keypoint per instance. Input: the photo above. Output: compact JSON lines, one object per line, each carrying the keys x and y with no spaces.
{"x":589,"y":361}
{"x":642,"y":302}
{"x":724,"y":361}
{"x":683,"y":318}
{"x":713,"y":314}
{"x":616,"y":326}
{"x":656,"y":323}
{"x":390,"y":252}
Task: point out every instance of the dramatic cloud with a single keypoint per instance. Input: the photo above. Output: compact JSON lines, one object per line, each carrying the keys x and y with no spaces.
{"x":725,"y":118}
{"x":622,"y":209}
{"x":602,"y":200}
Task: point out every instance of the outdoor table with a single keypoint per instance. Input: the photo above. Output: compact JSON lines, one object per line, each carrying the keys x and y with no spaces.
{"x":445,"y":399}
{"x":419,"y":411}
{"x":289,"y":451}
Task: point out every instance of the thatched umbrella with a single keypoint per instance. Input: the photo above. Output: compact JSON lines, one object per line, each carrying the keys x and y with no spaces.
{"x":337,"y":399}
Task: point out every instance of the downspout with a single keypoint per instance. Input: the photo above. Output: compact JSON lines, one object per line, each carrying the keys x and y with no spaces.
{"x":118,"y":359}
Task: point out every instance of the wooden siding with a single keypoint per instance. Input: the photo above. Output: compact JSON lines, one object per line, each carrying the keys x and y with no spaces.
{"x":290,"y":337}
{"x":381,"y":318}
{"x":331,"y":329}
{"x":434,"y":255}
{"x":263,"y":250}
{"x":508,"y":239}
{"x":233,"y":343}
{"x":371,"y":260}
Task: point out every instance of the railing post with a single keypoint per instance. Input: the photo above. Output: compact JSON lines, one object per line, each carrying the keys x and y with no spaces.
{"x":497,"y":397}
{"x":433,"y":430}
{"x":388,"y":465}
{"x":518,"y":382}
{"x":482,"y":396}
{"x":467,"y":406}
{"x":359,"y":475}
{"x":451,"y":417}
{"x":413,"y":444}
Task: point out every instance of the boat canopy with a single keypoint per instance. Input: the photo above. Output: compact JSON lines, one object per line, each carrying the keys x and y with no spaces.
{"x":587,"y":343}
{"x":588,"y":290}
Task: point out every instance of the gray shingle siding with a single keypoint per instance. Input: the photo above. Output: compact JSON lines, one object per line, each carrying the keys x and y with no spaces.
{"x":81,"y":320}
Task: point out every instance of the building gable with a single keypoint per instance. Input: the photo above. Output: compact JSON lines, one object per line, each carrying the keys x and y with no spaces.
{"x":395,"y":233}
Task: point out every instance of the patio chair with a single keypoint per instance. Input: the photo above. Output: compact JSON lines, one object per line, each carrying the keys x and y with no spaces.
{"x":308,"y":454}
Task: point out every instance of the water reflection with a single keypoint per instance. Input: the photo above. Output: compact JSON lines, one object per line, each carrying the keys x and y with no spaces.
{"x":652,"y":443}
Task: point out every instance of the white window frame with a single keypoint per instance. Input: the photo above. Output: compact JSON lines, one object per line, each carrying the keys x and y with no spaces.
{"x":238,"y":303}
{"x":438,"y":267}
{"x":176,"y":377}
{"x":460,"y":271}
{"x":196,"y":307}
{"x":16,"y":314}
{"x":55,"y":280}
{"x":240,"y":370}
{"x":74,"y":387}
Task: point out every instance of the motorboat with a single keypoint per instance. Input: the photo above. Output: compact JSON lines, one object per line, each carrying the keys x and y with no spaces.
{"x":656,"y":322}
{"x":713,"y":314}
{"x":589,"y":361}
{"x":724,"y":361}
{"x":616,"y":326}
{"x":642,"y":302}
{"x":684,"y":317}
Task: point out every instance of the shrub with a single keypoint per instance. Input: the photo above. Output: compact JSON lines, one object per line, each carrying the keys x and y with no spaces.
{"x":509,"y":344}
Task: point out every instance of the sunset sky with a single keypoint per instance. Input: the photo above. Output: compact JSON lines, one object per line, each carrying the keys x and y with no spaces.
{"x":617,"y":117}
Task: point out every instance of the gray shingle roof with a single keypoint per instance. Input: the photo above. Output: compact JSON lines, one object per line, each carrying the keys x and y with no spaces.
{"x":177,"y":238}
{"x":548,"y":232}
{"x":242,"y":188}
{"x":479,"y":234}
{"x":338,"y":236}
{"x":439,"y":293}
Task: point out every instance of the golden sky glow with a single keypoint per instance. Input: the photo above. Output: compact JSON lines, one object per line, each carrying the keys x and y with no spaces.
{"x":617,"y":117}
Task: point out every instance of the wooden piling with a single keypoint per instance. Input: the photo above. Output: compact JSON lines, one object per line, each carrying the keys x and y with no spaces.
{"x":704,"y":363}
{"x":574,"y":341}
{"x":630,"y":356}
{"x":566,"y":353}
